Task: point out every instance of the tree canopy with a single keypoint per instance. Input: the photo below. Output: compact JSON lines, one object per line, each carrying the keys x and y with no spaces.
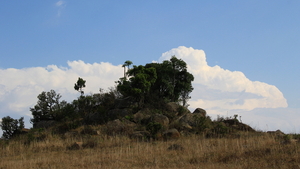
{"x":47,"y":105}
{"x":79,"y":85}
{"x":11,"y":127}
{"x":169,"y":80}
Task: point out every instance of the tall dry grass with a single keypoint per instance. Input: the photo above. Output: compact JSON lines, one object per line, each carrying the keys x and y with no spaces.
{"x":249,"y":150}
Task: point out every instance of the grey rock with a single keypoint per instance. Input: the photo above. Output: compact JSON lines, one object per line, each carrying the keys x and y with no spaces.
{"x":171,"y":134}
{"x":200,"y":111}
{"x":162,"y":119}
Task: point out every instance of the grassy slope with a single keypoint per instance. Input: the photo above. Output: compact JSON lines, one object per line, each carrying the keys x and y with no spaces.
{"x":249,"y":150}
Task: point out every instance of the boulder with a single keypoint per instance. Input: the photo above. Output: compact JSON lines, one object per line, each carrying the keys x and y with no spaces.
{"x":171,"y":134}
{"x":190,"y":119}
{"x":162,"y":119}
{"x":200,"y":111}
{"x":120,"y":127}
{"x":142,"y":116}
{"x":172,"y":107}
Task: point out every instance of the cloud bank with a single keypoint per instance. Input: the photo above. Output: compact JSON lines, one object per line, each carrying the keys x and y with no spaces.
{"x":217,"y":90}
{"x":20,"y":87}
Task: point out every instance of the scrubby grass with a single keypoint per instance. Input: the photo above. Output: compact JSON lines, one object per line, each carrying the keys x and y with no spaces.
{"x":248,"y":150}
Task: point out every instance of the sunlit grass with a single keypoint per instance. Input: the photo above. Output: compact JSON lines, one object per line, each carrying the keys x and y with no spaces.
{"x":249,"y":150}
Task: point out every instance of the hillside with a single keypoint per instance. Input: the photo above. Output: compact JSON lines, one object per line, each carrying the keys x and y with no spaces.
{"x":141,"y":123}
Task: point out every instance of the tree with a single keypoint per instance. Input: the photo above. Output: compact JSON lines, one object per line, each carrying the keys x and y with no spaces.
{"x":139,"y":83}
{"x":174,"y":82}
{"x":48,"y":105}
{"x":11,"y":127}
{"x":126,"y":63}
{"x":79,"y":85}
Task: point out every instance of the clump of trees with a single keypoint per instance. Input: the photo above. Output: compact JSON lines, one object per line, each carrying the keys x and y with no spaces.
{"x":168,"y":81}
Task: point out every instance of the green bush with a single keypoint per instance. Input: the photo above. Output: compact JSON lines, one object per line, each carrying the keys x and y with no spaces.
{"x":11,"y":127}
{"x":202,"y":123}
{"x":154,"y":128}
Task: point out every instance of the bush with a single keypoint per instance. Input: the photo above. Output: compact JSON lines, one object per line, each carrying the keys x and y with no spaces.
{"x":154,"y":128}
{"x":202,"y":123}
{"x":11,"y":127}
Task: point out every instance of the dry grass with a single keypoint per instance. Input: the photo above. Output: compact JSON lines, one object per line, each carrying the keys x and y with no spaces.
{"x":248,"y":151}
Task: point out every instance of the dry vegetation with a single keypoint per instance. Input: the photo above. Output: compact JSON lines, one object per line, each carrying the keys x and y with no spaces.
{"x":243,"y":150}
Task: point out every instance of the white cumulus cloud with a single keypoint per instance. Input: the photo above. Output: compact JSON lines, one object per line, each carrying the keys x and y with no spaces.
{"x":218,"y":90}
{"x":20,"y":87}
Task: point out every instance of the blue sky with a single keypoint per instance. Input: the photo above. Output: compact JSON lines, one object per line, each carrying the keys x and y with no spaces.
{"x":260,"y":39}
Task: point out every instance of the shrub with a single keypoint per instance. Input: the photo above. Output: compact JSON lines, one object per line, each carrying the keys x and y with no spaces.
{"x":11,"y":127}
{"x":154,"y":128}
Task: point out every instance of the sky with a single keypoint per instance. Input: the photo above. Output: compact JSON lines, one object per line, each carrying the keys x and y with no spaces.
{"x":244,"y":55}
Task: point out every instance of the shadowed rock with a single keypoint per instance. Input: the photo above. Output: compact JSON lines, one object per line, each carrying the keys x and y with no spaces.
{"x":200,"y":111}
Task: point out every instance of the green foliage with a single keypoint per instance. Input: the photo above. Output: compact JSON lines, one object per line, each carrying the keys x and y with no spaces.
{"x":11,"y":127}
{"x":139,"y":83}
{"x":129,"y":117}
{"x":79,"y":85}
{"x":202,"y":123}
{"x":219,"y":130}
{"x":167,"y":81}
{"x":47,"y":108}
{"x":126,"y":63}
{"x":173,"y":81}
{"x":154,"y":128}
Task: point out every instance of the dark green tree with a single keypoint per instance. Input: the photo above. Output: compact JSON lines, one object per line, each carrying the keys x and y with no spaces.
{"x":47,"y":107}
{"x":79,"y":85}
{"x":11,"y":127}
{"x":126,"y":63}
{"x":139,"y":83}
{"x":174,"y":82}
{"x":167,"y":81}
